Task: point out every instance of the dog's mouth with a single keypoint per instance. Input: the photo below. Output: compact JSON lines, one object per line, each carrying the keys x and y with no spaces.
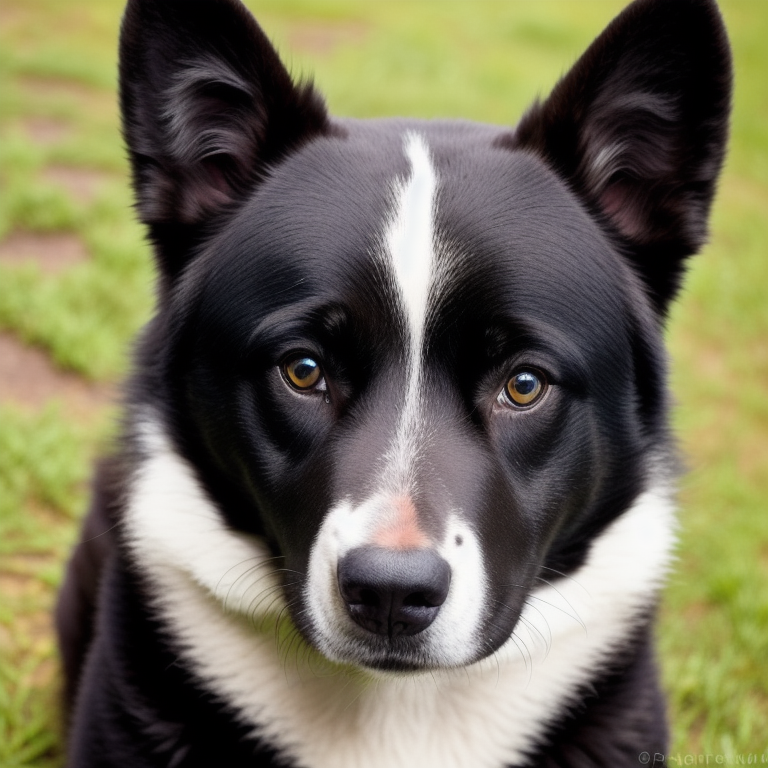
{"x":391,"y":656}
{"x":381,"y":654}
{"x":427,"y":651}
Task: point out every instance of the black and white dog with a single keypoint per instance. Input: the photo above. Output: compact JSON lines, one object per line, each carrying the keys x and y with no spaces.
{"x":395,"y":482}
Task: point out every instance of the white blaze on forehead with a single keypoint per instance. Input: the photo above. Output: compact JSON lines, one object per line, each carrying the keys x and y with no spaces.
{"x":411,"y":248}
{"x":410,"y":237}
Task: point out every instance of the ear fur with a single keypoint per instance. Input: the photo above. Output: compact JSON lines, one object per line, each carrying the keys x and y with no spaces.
{"x":638,"y":128}
{"x":206,"y":106}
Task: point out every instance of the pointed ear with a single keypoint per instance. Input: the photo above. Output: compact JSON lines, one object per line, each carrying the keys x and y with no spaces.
{"x":638,"y":128}
{"x":207,"y":105}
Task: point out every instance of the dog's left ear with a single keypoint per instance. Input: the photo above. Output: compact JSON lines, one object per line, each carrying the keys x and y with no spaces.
{"x":638,"y":128}
{"x":207,"y":107}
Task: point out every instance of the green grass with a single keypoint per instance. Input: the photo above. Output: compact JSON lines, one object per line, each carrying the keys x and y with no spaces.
{"x":43,"y":471}
{"x":480,"y":60}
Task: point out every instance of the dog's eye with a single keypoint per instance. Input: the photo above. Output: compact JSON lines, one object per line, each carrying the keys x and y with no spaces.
{"x":303,"y":373}
{"x":523,"y":389}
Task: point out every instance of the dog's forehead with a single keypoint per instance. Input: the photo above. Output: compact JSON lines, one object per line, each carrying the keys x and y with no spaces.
{"x":515,"y":242}
{"x":436,"y":213}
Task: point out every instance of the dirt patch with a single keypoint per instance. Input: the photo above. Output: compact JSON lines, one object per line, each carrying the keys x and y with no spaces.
{"x":53,"y":253}
{"x":44,"y":90}
{"x":36,"y":628}
{"x":45,"y":673}
{"x":66,"y":102}
{"x":27,"y":564}
{"x":323,"y":38}
{"x":82,"y":184}
{"x":48,"y":517}
{"x":11,"y":18}
{"x":15,"y":585}
{"x":696,"y":612}
{"x":46,"y":131}
{"x":29,"y":378}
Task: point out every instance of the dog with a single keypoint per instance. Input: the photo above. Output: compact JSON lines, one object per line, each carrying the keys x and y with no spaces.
{"x":395,"y":481}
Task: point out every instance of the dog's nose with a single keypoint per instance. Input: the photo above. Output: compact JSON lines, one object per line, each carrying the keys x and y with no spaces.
{"x":393,"y":591}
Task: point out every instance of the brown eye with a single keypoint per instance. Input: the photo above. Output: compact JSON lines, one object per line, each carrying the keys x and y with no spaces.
{"x":524,"y":388}
{"x":303,"y":373}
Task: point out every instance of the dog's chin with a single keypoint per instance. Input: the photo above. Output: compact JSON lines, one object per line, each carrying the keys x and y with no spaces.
{"x":384,"y":660}
{"x":395,"y":664}
{"x":387,"y":656}
{"x":374,"y":654}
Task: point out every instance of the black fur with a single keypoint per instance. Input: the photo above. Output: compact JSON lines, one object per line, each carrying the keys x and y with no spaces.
{"x":572,"y":232}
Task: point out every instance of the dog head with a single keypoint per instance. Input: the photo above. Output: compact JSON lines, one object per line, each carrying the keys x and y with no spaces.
{"x":421,"y":361}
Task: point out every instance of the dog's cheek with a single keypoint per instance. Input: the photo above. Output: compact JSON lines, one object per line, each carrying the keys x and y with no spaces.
{"x":548,"y":469}
{"x":284,"y":432}
{"x":545,"y":454}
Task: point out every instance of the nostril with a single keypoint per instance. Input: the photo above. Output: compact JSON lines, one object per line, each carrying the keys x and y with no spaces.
{"x":369,"y":597}
{"x":419,"y":600}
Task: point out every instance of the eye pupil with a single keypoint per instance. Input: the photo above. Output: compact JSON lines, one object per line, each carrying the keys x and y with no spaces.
{"x":303,"y":372}
{"x":523,"y":388}
{"x":304,"y":369}
{"x":525,"y":383}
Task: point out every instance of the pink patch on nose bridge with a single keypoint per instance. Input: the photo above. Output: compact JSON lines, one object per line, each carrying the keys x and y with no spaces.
{"x":401,"y":529}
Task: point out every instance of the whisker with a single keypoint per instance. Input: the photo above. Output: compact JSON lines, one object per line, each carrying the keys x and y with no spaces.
{"x":570,"y":605}
{"x":260,"y":597}
{"x":562,"y":575}
{"x":495,"y":655}
{"x":576,"y":618}
{"x":243,"y":575}
{"x":532,"y":627}
{"x":530,"y":624}
{"x":514,"y":639}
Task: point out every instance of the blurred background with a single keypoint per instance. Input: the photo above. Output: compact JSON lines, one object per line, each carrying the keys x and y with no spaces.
{"x":76,"y":283}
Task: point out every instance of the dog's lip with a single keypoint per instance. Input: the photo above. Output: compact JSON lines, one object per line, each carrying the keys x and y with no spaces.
{"x":395,"y":666}
{"x":381,"y":654}
{"x":392,"y":663}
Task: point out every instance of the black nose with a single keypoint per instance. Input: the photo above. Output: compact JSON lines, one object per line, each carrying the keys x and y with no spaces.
{"x":393,"y":592}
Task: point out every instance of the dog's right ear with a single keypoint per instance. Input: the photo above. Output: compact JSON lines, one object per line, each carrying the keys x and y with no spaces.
{"x":638,"y":129}
{"x":207,"y":105}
